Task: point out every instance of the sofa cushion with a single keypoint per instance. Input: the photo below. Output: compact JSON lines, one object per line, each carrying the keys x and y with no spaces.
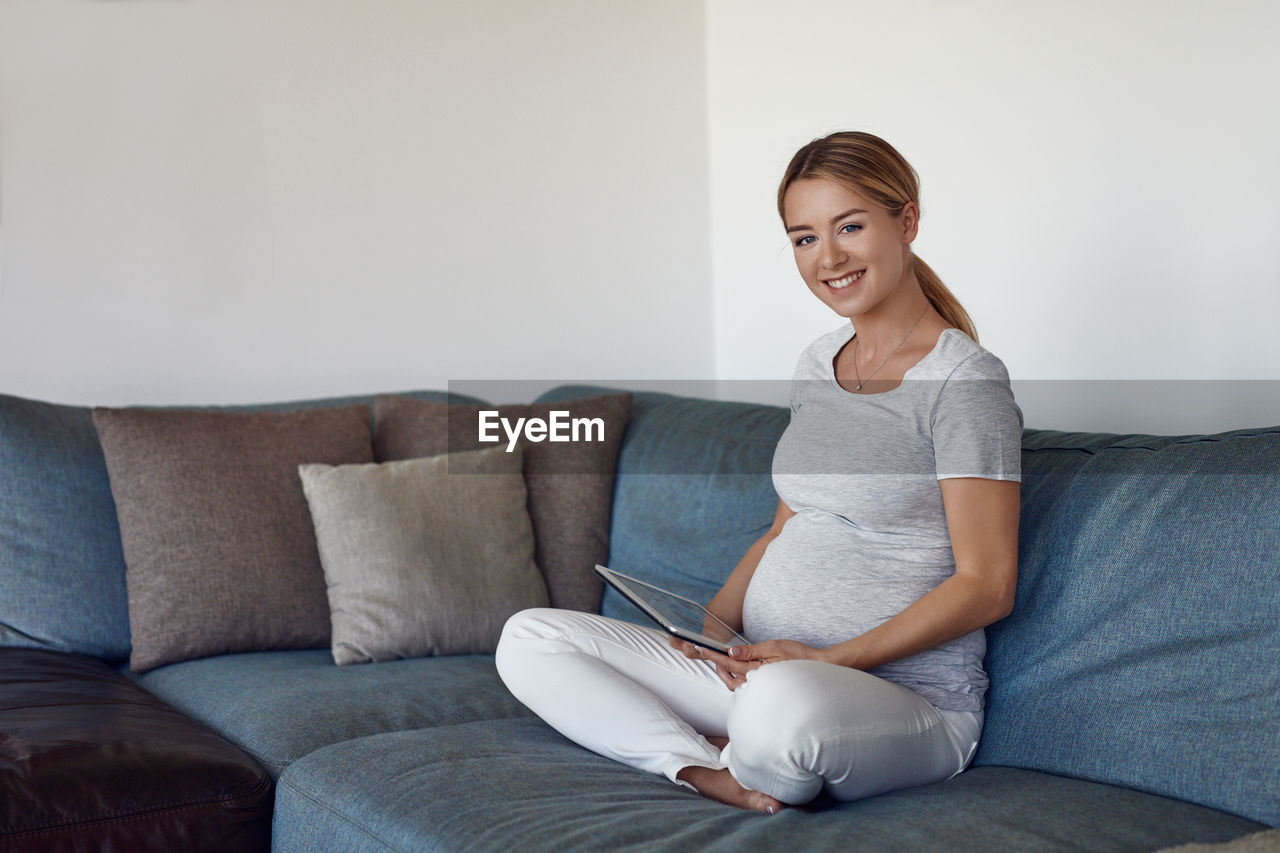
{"x":90,"y":761}
{"x":1142,"y":650}
{"x":423,"y":556}
{"x":279,"y":706}
{"x":517,"y":785}
{"x":61,"y":566}
{"x":62,"y":569}
{"x":693,"y":491}
{"x":570,"y":483}
{"x":218,"y":541}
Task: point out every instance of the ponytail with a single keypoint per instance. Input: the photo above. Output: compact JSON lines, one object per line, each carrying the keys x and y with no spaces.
{"x":942,"y":299}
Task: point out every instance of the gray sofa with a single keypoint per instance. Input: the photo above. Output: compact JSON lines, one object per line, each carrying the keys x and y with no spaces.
{"x":1135,"y":699}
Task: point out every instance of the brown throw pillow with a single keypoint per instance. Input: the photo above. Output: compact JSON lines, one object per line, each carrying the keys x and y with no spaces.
{"x":220,"y":554}
{"x":570,"y":483}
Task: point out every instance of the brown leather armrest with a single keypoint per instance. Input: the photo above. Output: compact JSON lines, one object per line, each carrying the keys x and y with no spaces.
{"x":91,"y":761}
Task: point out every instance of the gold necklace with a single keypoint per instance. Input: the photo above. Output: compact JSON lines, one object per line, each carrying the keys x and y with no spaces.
{"x":886,"y":358}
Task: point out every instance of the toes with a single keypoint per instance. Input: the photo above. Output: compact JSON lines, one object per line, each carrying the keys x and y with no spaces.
{"x":764,"y":803}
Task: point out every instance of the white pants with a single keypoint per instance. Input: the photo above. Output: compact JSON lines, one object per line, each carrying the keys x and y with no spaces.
{"x":794,"y":727}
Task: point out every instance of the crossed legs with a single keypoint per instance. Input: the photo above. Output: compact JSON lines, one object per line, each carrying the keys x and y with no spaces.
{"x":794,"y":728}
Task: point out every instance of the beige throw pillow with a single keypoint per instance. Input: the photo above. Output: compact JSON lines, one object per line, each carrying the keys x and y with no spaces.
{"x":570,"y":483}
{"x":423,"y":556}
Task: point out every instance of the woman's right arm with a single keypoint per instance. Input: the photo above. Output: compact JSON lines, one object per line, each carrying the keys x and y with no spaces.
{"x":727,"y":603}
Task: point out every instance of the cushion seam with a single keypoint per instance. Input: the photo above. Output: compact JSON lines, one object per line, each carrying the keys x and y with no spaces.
{"x":331,"y":810}
{"x":228,"y":799}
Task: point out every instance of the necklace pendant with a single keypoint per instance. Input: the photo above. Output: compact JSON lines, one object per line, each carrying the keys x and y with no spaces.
{"x":858,"y":388}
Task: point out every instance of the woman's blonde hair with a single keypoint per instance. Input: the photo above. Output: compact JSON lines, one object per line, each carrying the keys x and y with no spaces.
{"x":874,"y":169}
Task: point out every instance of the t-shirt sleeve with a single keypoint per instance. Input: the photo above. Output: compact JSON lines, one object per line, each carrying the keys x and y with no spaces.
{"x":802,"y":377}
{"x":977,"y":425}
{"x":797,"y":389}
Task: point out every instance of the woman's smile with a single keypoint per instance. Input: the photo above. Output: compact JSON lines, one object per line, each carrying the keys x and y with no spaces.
{"x":844,"y":281}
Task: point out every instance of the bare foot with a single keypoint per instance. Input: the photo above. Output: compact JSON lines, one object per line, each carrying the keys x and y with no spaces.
{"x":719,"y":785}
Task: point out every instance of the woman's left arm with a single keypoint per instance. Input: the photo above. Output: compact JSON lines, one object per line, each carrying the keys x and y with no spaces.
{"x":982,"y":518}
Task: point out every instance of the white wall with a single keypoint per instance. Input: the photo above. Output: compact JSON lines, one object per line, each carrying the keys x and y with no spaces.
{"x":1100,"y":188}
{"x":241,"y":200}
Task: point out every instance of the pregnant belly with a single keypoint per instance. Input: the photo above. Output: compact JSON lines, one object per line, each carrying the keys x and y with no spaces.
{"x":822,"y":590}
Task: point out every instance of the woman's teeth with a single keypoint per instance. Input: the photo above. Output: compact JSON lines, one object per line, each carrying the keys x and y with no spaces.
{"x":842,"y":283}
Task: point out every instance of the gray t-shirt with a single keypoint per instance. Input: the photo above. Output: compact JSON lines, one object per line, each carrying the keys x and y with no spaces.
{"x":869,"y":535}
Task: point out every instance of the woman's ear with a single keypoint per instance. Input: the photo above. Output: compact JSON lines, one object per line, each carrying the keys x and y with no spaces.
{"x":909,"y":221}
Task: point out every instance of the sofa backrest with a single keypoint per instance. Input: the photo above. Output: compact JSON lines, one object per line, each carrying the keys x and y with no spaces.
{"x":1144,"y":647}
{"x":61,"y":561}
{"x":692,"y":491}
{"x":62,"y":570}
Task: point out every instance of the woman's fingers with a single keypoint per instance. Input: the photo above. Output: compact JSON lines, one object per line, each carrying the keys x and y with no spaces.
{"x":733,"y":680}
{"x":737,"y":669}
{"x":737,"y":676}
{"x":695,"y":651}
{"x":773,"y":650}
{"x":714,"y":656}
{"x":731,"y":672}
{"x":688,"y":649}
{"x":767,"y":650}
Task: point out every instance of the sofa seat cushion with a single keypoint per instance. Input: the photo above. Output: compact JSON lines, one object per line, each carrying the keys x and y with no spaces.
{"x":279,"y":706}
{"x":90,"y":761}
{"x":517,"y":785}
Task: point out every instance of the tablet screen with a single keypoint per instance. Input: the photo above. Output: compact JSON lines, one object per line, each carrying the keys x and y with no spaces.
{"x":680,"y":616}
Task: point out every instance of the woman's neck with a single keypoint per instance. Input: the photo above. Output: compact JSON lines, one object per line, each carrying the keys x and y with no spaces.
{"x":888,"y":327}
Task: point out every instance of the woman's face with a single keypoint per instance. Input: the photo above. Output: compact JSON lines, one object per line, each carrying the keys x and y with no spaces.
{"x":851,"y":253}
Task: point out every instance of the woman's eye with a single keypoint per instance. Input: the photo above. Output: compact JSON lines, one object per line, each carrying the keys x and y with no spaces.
{"x":850,"y":227}
{"x":805,"y":240}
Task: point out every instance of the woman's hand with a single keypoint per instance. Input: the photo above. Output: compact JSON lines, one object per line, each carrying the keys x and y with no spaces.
{"x":733,"y":667}
{"x":731,"y":672}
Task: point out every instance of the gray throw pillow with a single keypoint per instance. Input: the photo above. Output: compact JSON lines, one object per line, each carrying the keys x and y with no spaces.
{"x":220,"y":555}
{"x":570,"y":483}
{"x":424,"y":556}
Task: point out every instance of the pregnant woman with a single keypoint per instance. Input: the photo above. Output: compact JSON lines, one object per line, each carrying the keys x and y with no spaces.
{"x":894,"y":544}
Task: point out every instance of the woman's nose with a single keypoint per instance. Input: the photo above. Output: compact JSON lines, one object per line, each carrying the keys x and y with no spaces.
{"x":832,"y":255}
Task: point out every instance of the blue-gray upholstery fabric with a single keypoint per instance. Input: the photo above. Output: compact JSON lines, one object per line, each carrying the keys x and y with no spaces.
{"x":61,"y":562}
{"x":1141,"y":653}
{"x":692,"y":491}
{"x":279,"y":706}
{"x":517,"y":785}
{"x":1144,"y":647}
{"x":62,"y":571}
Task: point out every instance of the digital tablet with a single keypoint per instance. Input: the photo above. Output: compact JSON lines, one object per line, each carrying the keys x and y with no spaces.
{"x":676,"y":614}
